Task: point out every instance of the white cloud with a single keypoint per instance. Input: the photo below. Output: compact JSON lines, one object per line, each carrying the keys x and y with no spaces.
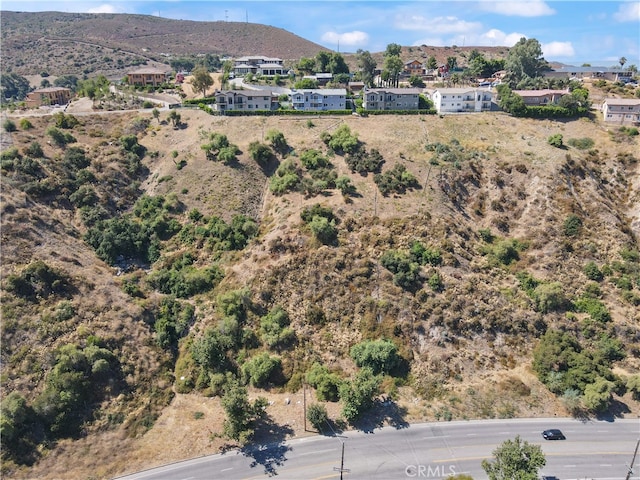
{"x":533,"y":8}
{"x":557,"y":49}
{"x":628,"y":12}
{"x":437,"y":25}
{"x":351,"y":39}
{"x":104,"y":8}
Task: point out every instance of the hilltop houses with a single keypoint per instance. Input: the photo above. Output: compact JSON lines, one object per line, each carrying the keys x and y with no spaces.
{"x":244,"y":100}
{"x":541,"y":97}
{"x":48,"y":96}
{"x":462,"y":100}
{"x":319,"y":99}
{"x":259,"y":65}
{"x":148,"y":76}
{"x":623,"y":111}
{"x":391,"y":98}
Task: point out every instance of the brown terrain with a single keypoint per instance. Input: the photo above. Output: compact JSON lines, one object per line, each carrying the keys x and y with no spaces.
{"x":469,"y":344}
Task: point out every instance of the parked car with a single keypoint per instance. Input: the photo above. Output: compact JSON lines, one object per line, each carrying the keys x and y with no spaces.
{"x":553,"y":434}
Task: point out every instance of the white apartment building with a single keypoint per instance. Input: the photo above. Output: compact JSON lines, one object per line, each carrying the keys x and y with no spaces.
{"x":462,"y":100}
{"x":623,"y":111}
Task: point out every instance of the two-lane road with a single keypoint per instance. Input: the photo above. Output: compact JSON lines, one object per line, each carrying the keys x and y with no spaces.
{"x":593,"y":450}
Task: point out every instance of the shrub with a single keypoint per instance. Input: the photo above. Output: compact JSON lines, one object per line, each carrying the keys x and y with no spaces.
{"x":34,"y":150}
{"x":286,"y":178}
{"x":555,"y":140}
{"x":25,"y":124}
{"x":397,"y":180}
{"x":260,"y":153}
{"x":342,"y":140}
{"x":313,"y":159}
{"x":60,"y":138}
{"x":345,"y":186}
{"x":277,"y":141}
{"x":592,"y":272}
{"x":581,"y":143}
{"x":261,"y":370}
{"x":381,"y":356}
{"x":275,"y":330}
{"x":572,"y":225}
{"x":364,"y":162}
{"x":327,"y":384}
{"x":317,"y":416}
{"x":594,"y":307}
{"x":9,"y":125}
{"x":324,"y":230}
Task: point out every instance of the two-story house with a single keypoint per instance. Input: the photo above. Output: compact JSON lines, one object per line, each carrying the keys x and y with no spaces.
{"x":244,"y":100}
{"x":391,"y":98}
{"x":48,"y":96}
{"x":259,"y":65}
{"x":462,"y":100}
{"x":414,"y":67}
{"x":148,"y":76}
{"x":541,"y":97}
{"x":319,"y":99}
{"x":579,"y":73}
{"x":623,"y":111}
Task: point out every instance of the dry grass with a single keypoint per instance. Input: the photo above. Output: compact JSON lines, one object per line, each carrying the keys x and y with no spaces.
{"x":475,"y":373}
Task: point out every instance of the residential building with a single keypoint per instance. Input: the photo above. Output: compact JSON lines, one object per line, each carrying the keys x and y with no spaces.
{"x":579,"y":73}
{"x":148,"y":76}
{"x":244,"y":100}
{"x":391,"y":98}
{"x":319,"y":99}
{"x":259,"y":65}
{"x":48,"y":96}
{"x":623,"y":111}
{"x":414,"y":67}
{"x":462,"y":100}
{"x":541,"y":97}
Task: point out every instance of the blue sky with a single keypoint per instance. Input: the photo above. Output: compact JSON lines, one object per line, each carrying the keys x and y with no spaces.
{"x":572,"y":32}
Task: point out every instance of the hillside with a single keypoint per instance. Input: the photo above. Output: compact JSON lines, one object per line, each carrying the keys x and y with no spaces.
{"x":518,"y":227}
{"x":110,"y":44}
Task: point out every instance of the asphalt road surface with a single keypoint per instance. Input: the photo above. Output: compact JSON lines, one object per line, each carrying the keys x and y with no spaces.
{"x":592,"y":450}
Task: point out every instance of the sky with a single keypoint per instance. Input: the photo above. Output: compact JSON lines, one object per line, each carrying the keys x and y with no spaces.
{"x":571,"y":32}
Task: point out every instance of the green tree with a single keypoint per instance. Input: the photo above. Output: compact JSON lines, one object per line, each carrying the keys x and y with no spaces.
{"x":358,"y":395}
{"x":432,"y":63}
{"x":597,"y":395}
{"x":393,"y":50}
{"x":367,"y":66}
{"x":175,"y":118}
{"x":322,"y":61}
{"x":393,"y":65}
{"x":306,"y":65}
{"x":201,"y":80}
{"x":324,"y":229}
{"x":217,"y":141}
{"x":452,"y":63}
{"x":156,"y":114}
{"x":13,"y":86}
{"x":337,"y":65}
{"x":622,"y":61}
{"x":9,"y":125}
{"x":524,"y":60}
{"x":240,"y":412}
{"x":515,"y":459}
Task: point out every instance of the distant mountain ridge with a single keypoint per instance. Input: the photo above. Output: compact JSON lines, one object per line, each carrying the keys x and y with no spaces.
{"x":90,"y":44}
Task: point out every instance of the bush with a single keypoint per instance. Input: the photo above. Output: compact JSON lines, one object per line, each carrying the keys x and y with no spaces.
{"x":555,"y":140}
{"x":260,"y":153}
{"x":261,"y":370}
{"x":396,"y":180}
{"x":381,"y":356}
{"x":34,"y":150}
{"x":581,"y":143}
{"x":364,"y":162}
{"x":9,"y":125}
{"x":25,"y":124}
{"x":342,"y":140}
{"x":592,"y":272}
{"x":324,"y":230}
{"x":275,"y":330}
{"x":572,"y":225}
{"x":317,"y":416}
{"x":327,"y":384}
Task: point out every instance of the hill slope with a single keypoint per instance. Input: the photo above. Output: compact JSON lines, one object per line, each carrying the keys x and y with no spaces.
{"x":492,"y":198}
{"x":109,"y":44}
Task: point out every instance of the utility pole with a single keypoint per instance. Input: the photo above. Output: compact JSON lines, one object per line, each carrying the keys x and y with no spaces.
{"x":630,"y":471}
{"x":304,"y":404}
{"x":341,"y":469}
